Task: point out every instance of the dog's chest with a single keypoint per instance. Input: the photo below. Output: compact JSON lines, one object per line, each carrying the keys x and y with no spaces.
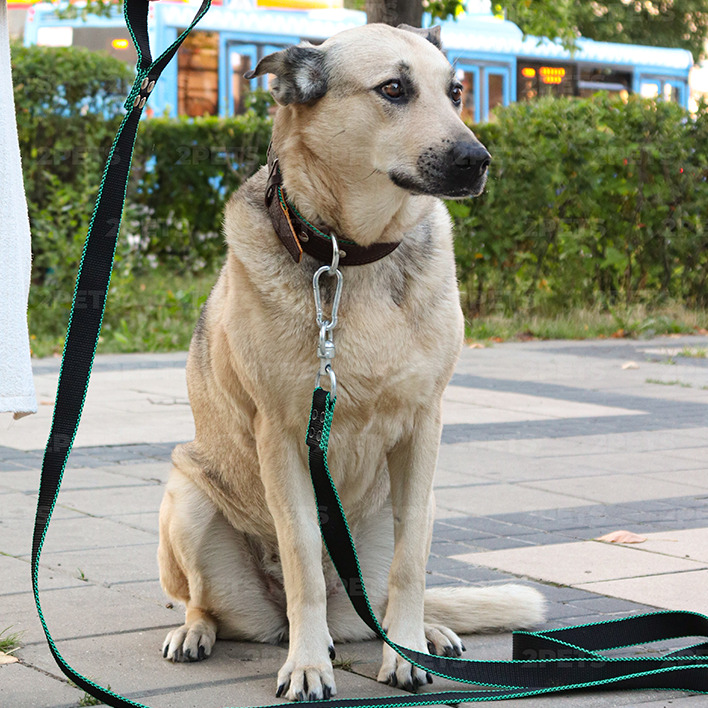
{"x":397,"y":338}
{"x":399,"y":326}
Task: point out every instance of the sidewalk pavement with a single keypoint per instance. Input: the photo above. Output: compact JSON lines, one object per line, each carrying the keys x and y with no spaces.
{"x":546,"y":446}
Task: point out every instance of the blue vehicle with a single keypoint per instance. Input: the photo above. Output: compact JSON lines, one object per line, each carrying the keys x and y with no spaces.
{"x":496,"y":64}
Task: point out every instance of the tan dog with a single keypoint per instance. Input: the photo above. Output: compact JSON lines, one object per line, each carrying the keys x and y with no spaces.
{"x":369,"y":137}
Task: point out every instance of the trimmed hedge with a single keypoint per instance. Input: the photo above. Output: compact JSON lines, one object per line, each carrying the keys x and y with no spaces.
{"x":67,"y":102}
{"x":588,"y":202}
{"x":184,"y":170}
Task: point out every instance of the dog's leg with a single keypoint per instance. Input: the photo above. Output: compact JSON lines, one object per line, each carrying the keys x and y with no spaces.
{"x":307,"y":674}
{"x":411,"y":467}
{"x":205,"y":563}
{"x":373,"y":536}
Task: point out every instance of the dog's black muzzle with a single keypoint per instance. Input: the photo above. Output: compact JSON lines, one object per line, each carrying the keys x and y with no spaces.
{"x":471,"y":159}
{"x":458,"y":170}
{"x":466,"y":165}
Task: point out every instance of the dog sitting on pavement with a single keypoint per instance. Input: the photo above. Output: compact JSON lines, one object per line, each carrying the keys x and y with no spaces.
{"x":367,"y":139}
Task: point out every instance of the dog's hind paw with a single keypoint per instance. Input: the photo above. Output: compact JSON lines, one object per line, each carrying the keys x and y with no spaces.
{"x":190,"y":642}
{"x":443,"y":641}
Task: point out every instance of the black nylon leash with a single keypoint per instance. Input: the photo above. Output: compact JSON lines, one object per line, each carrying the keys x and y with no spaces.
{"x":545,"y":662}
{"x":555,"y":660}
{"x":89,"y":302}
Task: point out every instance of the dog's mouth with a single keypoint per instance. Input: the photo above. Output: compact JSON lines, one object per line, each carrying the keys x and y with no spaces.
{"x":446,"y":189}
{"x":454,"y":171}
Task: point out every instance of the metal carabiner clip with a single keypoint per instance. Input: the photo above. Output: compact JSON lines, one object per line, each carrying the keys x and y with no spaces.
{"x":326,"y":348}
{"x":331,"y":324}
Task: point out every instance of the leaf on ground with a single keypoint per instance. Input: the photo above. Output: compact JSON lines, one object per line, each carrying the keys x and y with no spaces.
{"x":630,"y":365}
{"x":476,"y":345}
{"x":7,"y":658}
{"x":621,"y":537}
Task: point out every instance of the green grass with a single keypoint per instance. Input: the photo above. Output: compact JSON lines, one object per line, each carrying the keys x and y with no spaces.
{"x":86,"y":698}
{"x":693,"y":353}
{"x":151,"y":313}
{"x":9,"y":641}
{"x":345,"y":663}
{"x":590,"y":323}
{"x":675,"y":382}
{"x":157,"y":312}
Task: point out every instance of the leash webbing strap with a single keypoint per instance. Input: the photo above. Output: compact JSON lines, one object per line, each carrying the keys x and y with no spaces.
{"x":89,"y":303}
{"x":551,"y":661}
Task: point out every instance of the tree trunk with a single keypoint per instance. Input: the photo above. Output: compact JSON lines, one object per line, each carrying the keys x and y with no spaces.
{"x":395,"y":12}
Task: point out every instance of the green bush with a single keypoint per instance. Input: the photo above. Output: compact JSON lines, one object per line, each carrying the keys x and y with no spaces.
{"x":69,"y":105}
{"x":67,"y":102}
{"x":184,"y":170}
{"x":589,"y":202}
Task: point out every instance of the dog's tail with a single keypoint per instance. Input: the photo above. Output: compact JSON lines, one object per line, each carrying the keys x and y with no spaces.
{"x":467,"y":610}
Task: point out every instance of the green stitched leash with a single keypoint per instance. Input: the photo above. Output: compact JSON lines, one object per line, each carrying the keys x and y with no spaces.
{"x":545,"y":662}
{"x":89,"y":303}
{"x":551,"y":661}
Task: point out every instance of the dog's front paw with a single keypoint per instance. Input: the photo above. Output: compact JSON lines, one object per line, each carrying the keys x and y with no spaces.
{"x":306,"y":680}
{"x":190,"y":642}
{"x":396,"y":671}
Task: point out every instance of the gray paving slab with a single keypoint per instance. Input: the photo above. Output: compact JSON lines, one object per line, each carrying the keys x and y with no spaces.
{"x":17,"y":512}
{"x":90,"y":533}
{"x":74,"y":612}
{"x":109,"y":502}
{"x":568,"y":418}
{"x":27,"y":481}
{"x":25,"y":687}
{"x":15,"y":574}
{"x":108,"y":565}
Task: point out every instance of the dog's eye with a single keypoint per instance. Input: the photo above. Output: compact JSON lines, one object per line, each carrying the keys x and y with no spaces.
{"x":393,"y":90}
{"x":456,"y":94}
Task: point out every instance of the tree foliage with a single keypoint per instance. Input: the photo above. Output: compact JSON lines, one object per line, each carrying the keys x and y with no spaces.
{"x":555,"y":19}
{"x":662,"y":23}
{"x":665,"y":23}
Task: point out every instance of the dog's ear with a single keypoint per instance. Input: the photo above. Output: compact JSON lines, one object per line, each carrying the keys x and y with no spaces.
{"x":432,"y":34}
{"x":300,"y":75}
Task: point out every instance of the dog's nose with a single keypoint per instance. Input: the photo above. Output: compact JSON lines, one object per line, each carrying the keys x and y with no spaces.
{"x":470,"y":157}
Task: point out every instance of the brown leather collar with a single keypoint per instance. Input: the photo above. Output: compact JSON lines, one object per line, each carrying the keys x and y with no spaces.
{"x":298,"y":234}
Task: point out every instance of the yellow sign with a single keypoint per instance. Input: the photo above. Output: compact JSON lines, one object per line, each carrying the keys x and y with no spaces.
{"x":301,"y":4}
{"x":551,"y":74}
